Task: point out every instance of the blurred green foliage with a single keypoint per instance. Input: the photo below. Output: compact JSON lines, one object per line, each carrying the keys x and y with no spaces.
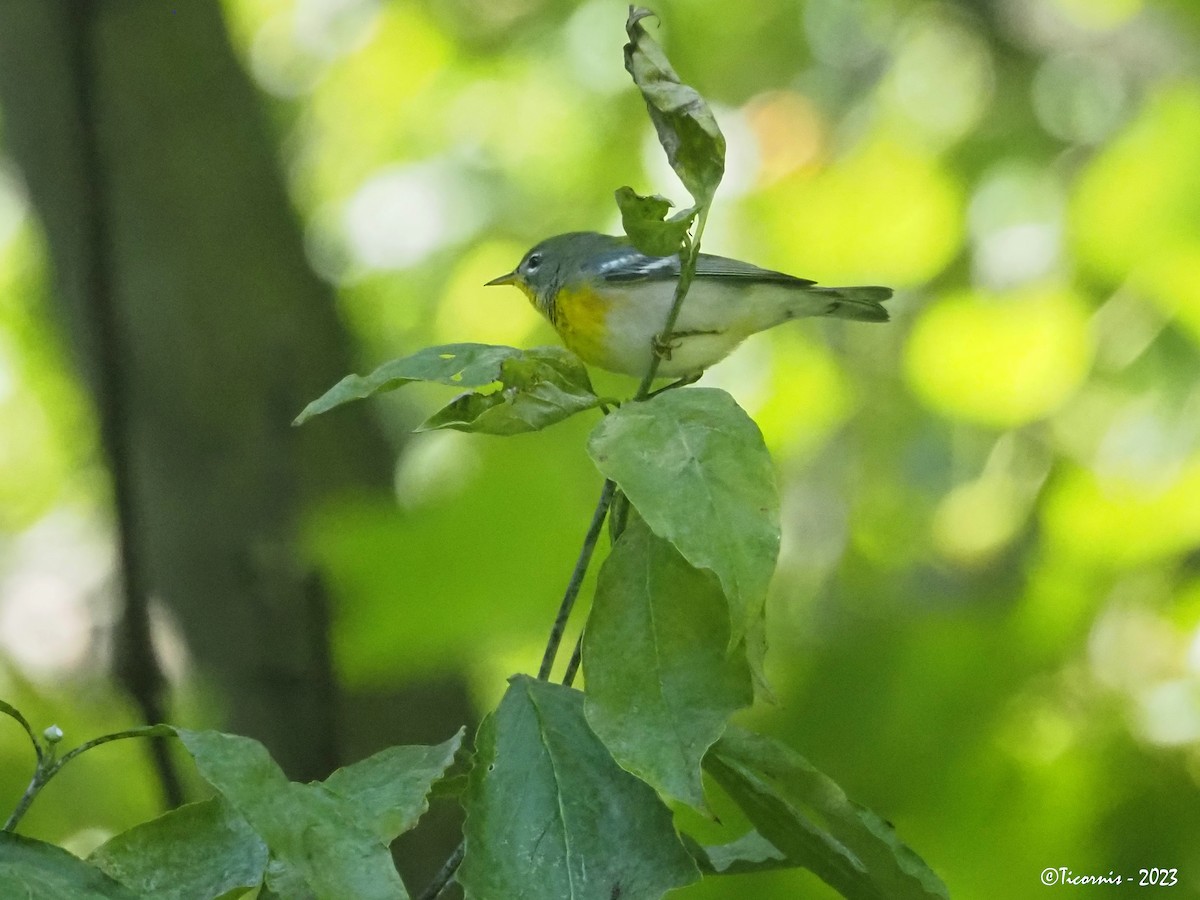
{"x":986,"y":622}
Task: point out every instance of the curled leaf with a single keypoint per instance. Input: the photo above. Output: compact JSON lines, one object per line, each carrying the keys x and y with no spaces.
{"x":810,"y":820}
{"x":686,"y":127}
{"x":645,"y":221}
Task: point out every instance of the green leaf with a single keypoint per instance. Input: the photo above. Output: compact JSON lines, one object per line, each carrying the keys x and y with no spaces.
{"x":550,"y":815}
{"x":660,"y":682}
{"x":528,"y":389}
{"x":202,"y":849}
{"x":460,"y":365}
{"x":644,"y":220}
{"x":388,"y":791}
{"x":686,"y":127}
{"x":756,"y":653}
{"x":452,"y":787}
{"x":540,"y":387}
{"x":9,"y":710}
{"x":809,"y":818}
{"x":318,"y":844}
{"x":33,"y":870}
{"x":750,"y":853}
{"x":695,"y":467}
{"x":453,"y":783}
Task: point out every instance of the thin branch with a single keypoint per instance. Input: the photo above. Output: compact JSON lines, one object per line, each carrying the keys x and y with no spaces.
{"x":35,"y":785}
{"x":687,"y":271}
{"x":144,"y":731}
{"x":445,"y":873}
{"x":14,"y":713}
{"x":573,"y":665}
{"x":577,"y":576}
{"x":48,"y":767}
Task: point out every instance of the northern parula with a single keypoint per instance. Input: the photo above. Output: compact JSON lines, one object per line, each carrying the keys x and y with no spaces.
{"x":609,"y":302}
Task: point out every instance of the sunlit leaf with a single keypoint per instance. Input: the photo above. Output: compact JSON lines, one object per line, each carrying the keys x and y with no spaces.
{"x":695,"y":467}
{"x":979,"y":518}
{"x":537,"y":389}
{"x":1000,"y":360}
{"x":645,"y":221}
{"x":33,"y":870}
{"x":686,"y":126}
{"x":809,"y":818}
{"x":810,"y":395}
{"x":462,"y":310}
{"x":1136,"y":214}
{"x":660,"y":682}
{"x":1122,"y":522}
{"x":885,"y":213}
{"x":402,"y":54}
{"x":203,"y":849}
{"x":550,"y":815}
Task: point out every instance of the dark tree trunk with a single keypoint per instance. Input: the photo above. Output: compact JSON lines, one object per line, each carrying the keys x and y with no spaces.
{"x":201,"y":332}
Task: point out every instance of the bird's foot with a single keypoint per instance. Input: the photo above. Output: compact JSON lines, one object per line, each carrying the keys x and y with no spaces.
{"x":663,"y":349}
{"x":682,"y":382}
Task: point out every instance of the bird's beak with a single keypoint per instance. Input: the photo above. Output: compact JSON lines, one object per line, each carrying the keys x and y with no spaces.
{"x":510,"y":278}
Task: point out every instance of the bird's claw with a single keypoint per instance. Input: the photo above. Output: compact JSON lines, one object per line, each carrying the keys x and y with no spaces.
{"x":664,"y":349}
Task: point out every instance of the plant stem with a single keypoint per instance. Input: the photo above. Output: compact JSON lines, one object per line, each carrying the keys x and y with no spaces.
{"x":15,"y":714}
{"x":573,"y":665}
{"x":687,"y":271}
{"x":576,"y":582}
{"x":617,"y":517}
{"x":445,"y":873}
{"x":35,"y":785}
{"x":144,"y":731}
{"x":48,"y":766}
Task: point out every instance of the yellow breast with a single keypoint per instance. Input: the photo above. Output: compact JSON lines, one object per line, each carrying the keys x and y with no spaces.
{"x":580,"y":316}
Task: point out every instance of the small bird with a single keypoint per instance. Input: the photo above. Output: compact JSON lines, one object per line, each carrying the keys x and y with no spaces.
{"x":609,"y":302}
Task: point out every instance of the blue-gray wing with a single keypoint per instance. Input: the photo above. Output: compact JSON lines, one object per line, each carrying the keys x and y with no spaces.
{"x":625,"y":264}
{"x":622,"y":263}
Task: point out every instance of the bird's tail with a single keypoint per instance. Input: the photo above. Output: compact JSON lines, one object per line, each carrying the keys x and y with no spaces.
{"x":862,"y":303}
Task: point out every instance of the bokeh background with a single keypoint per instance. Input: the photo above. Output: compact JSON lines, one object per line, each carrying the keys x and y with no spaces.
{"x":986,"y":619}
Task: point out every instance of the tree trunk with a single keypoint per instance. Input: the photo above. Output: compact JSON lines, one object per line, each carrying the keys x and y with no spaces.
{"x":201,"y":332}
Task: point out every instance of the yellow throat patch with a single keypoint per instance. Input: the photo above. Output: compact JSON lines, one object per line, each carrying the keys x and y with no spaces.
{"x":579,"y":316}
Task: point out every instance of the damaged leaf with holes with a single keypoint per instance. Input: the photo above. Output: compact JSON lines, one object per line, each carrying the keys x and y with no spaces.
{"x":645,"y":221}
{"x":523,"y":390}
{"x":686,"y":126}
{"x":536,"y":389}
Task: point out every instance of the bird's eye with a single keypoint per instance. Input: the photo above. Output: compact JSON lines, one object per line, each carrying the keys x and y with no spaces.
{"x":533,"y":262}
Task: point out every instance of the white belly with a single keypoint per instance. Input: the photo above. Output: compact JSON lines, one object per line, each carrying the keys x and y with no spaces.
{"x":714,"y":319}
